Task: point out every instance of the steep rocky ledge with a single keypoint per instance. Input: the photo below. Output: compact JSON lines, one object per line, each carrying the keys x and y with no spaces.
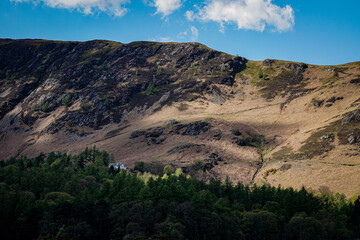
{"x":100,"y":81}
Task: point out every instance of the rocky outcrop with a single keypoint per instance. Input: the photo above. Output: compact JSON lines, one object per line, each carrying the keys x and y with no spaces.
{"x":99,"y":82}
{"x":351,"y":117}
{"x":194,"y":129}
{"x":268,"y":62}
{"x":297,"y":68}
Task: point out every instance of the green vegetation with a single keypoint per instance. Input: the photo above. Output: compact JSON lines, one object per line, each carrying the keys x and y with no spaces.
{"x":260,"y":73}
{"x":44,"y":107}
{"x":105,"y":66}
{"x":269,"y":171}
{"x":158,"y":70}
{"x":150,"y":90}
{"x":66,"y":100}
{"x":222,"y":68}
{"x":60,"y":196}
{"x":8,"y":74}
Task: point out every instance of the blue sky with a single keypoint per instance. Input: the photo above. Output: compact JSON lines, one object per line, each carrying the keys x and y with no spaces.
{"x":317,"y":31}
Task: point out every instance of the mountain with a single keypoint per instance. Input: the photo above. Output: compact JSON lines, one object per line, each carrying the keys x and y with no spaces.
{"x":212,"y":114}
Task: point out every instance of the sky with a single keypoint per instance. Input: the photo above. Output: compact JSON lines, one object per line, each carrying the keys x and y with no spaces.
{"x":325,"y":32}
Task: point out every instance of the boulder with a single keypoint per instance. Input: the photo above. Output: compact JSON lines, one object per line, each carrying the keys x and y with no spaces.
{"x":317,"y":103}
{"x":236,"y":132}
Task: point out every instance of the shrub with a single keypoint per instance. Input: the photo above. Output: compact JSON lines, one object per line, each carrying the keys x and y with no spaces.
{"x":84,"y":107}
{"x":104,"y":66}
{"x":150,"y":90}
{"x":44,"y":107}
{"x":260,"y":73}
{"x":222,"y":67}
{"x":66,"y":100}
{"x":267,"y":172}
{"x":159,"y":70}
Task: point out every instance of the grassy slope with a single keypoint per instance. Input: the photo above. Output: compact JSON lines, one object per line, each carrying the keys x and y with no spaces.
{"x":276,"y":105}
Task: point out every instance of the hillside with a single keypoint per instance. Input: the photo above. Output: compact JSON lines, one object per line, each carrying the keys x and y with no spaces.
{"x":211,"y":113}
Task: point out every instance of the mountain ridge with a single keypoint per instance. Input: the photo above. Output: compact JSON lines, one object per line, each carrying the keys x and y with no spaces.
{"x":271,"y":121}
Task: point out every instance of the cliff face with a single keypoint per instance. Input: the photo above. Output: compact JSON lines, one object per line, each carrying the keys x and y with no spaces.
{"x":106,"y":78}
{"x":208,"y":112}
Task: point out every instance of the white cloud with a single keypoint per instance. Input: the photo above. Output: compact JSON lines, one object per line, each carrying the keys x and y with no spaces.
{"x":194,"y":33}
{"x":112,"y":7}
{"x":246,"y":14}
{"x":161,"y":39}
{"x":182,"y":35}
{"x":190,"y":15}
{"x":166,"y":7}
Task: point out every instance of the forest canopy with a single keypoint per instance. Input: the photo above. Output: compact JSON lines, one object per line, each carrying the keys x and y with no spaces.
{"x":77,"y":196}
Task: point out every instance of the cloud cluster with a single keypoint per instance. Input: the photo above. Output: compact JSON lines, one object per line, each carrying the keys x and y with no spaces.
{"x":194,"y":33}
{"x":246,"y":14}
{"x":166,"y":7}
{"x":113,"y":7}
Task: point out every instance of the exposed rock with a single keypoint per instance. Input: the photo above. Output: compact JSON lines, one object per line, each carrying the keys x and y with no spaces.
{"x":194,"y":129}
{"x":215,"y":156}
{"x":352,"y":139}
{"x":277,"y":138}
{"x":216,"y":96}
{"x":332,"y":100}
{"x":171,"y":122}
{"x":156,"y":140}
{"x":317,"y":103}
{"x":355,"y":81}
{"x":353,"y":116}
{"x":93,"y":70}
{"x":236,"y":132}
{"x":268,"y":62}
{"x":207,"y":166}
{"x":297,"y":68}
{"x":156,"y":132}
{"x":329,"y":137}
{"x":328,"y":105}
{"x":227,"y":81}
{"x":217,"y":136}
{"x":239,"y":141}
{"x":137,"y":134}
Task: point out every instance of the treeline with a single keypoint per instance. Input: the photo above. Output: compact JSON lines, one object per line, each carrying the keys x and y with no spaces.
{"x":60,"y":196}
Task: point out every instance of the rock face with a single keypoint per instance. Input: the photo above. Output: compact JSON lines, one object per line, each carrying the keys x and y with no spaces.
{"x":268,"y":62}
{"x":297,"y":68}
{"x":98,"y":82}
{"x":195,"y":128}
{"x":353,"y":116}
